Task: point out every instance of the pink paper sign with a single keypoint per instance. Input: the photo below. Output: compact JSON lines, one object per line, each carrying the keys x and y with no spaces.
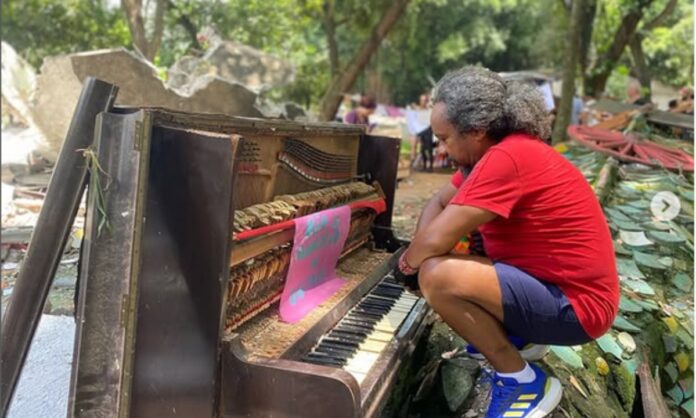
{"x":311,"y":279}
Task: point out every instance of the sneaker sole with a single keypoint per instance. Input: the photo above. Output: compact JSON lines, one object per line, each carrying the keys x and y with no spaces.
{"x":534,"y":353}
{"x":550,"y":400}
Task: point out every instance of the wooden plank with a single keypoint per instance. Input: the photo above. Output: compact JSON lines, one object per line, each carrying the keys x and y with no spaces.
{"x":244,"y":250}
{"x":17,"y":234}
{"x":652,"y":401}
{"x":246,"y":126}
{"x":253,"y":247}
{"x":661,"y":117}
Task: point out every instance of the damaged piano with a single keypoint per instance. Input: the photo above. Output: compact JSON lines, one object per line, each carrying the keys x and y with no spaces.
{"x":188,"y":244}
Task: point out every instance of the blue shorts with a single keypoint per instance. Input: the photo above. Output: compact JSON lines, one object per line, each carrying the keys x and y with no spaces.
{"x":536,"y":311}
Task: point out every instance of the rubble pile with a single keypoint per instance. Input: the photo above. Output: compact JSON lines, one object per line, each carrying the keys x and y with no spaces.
{"x":655,"y":322}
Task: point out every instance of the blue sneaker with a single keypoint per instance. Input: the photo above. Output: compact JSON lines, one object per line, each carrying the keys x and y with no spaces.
{"x":536,"y":399}
{"x":529,"y":352}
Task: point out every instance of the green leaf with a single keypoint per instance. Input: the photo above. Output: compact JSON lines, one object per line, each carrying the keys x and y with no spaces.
{"x":568,"y":356}
{"x":616,"y":214}
{"x":648,"y":304}
{"x":608,"y":345}
{"x":640,"y":204}
{"x":666,"y":237}
{"x":676,"y":394}
{"x":628,"y":268}
{"x":688,"y":407}
{"x":639,"y":286}
{"x":656,"y":226}
{"x":627,"y":225}
{"x":685,"y":338}
{"x":624,"y":324}
{"x":682,"y":282}
{"x":630,"y":210}
{"x":620,"y":249}
{"x":672,"y":372}
{"x":648,"y":260}
{"x":670,"y":344}
{"x":628,"y":305}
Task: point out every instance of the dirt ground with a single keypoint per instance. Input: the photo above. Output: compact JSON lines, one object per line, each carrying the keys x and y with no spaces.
{"x":411,"y":195}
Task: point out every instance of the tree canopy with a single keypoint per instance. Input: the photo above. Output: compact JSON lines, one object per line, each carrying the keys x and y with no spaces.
{"x":322,"y":37}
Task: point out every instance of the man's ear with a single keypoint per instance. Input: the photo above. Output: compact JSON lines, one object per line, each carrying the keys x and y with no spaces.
{"x":478,"y":135}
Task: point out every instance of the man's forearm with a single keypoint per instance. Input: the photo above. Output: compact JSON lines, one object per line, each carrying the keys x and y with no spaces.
{"x":430,"y":212}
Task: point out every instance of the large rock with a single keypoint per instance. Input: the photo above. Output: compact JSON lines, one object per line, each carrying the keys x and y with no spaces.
{"x":59,"y":84}
{"x":235,"y":63}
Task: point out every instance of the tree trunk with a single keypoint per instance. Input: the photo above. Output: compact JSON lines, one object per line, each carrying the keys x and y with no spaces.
{"x":640,"y":65}
{"x":187,"y":24}
{"x":587,"y":27}
{"x":344,"y":82}
{"x":598,"y":75}
{"x":147,"y":46}
{"x":330,"y":28}
{"x":569,"y":71}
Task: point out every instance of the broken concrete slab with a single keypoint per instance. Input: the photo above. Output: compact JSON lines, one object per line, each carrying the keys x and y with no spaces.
{"x":60,"y":82}
{"x":235,"y":63}
{"x":18,"y":84}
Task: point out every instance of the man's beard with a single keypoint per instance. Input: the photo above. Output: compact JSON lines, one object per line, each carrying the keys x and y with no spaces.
{"x":465,"y":169}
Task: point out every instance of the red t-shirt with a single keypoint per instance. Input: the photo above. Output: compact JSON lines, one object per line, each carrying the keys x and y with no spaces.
{"x":549,"y":224}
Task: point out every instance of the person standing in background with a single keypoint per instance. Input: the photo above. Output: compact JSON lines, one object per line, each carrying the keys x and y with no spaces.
{"x":361,"y":114}
{"x":425,"y":138}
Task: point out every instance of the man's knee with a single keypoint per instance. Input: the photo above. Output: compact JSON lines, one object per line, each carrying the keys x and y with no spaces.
{"x":432,"y":277}
{"x":446,"y":276}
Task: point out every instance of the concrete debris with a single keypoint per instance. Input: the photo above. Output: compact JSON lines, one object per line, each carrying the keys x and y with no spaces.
{"x":226,"y":80}
{"x":61,"y":77}
{"x":44,"y":384}
{"x":18,"y":84}
{"x":234,"y":63}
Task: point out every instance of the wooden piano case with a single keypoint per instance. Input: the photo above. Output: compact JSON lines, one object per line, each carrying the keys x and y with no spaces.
{"x":156,"y":264}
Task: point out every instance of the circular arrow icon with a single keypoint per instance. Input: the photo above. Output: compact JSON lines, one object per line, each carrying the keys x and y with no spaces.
{"x":665,"y":206}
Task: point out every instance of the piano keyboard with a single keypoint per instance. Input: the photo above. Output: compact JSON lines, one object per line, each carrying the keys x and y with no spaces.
{"x":357,"y":340}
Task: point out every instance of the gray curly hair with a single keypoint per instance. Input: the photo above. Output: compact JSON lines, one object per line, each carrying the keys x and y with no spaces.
{"x":479,"y":99}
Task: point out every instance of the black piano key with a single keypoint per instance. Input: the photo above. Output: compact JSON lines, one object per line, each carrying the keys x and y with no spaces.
{"x":340,"y":341}
{"x":325,"y":359}
{"x":376,"y":300}
{"x":334,"y":351}
{"x":374,"y":307}
{"x":390,"y":285}
{"x":387,"y":292}
{"x":354,"y":329}
{"x":346,"y":351}
{"x":389,"y":279}
{"x":367,"y":311}
{"x":359,"y":316}
{"x":357,"y":323}
{"x":336,"y":333}
{"x":381,"y":299}
{"x":362,"y":333}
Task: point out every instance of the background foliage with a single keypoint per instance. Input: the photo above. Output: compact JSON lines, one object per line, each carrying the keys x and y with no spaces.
{"x":432,"y":37}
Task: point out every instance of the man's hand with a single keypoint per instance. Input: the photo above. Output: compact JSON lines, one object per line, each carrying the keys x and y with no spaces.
{"x":406,"y":276}
{"x":408,"y":281}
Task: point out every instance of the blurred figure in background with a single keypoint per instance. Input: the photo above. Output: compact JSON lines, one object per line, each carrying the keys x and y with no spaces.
{"x":425,"y":138}
{"x":361,"y":114}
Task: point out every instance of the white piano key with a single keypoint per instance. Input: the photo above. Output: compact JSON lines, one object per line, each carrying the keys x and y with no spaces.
{"x":361,"y":362}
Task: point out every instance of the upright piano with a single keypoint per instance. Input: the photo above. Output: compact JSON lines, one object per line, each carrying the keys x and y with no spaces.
{"x":187,"y":246}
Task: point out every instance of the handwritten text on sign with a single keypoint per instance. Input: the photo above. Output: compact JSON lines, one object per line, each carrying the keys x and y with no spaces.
{"x":319,"y":239}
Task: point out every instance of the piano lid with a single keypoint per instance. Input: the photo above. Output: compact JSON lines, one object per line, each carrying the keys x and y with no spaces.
{"x":152,"y":285}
